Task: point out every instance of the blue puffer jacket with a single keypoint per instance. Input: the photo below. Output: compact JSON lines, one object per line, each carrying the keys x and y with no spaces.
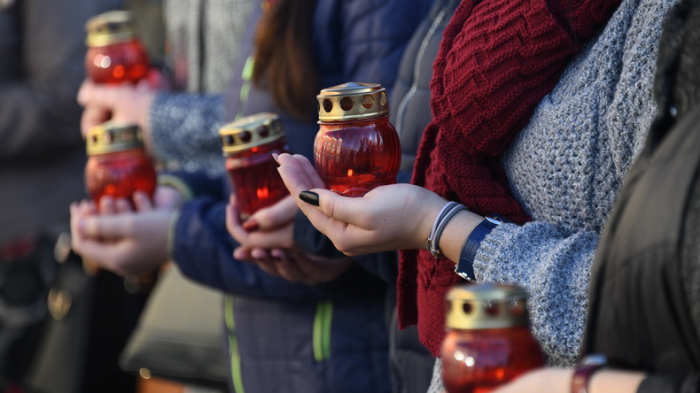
{"x":411,"y":363}
{"x":286,"y":337}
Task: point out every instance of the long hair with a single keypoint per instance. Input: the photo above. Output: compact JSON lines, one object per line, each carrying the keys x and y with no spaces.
{"x":284,"y":57}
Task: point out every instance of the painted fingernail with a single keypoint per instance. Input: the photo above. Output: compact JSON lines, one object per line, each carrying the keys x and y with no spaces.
{"x":251,"y":225}
{"x":276,"y":157}
{"x":309,"y":197}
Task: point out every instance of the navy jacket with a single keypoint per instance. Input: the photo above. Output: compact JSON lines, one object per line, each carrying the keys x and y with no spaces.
{"x":411,"y":364}
{"x":287,"y":337}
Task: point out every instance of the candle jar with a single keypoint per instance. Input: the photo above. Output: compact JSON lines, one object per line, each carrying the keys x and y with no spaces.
{"x":488,"y":339}
{"x":118,"y":164}
{"x":356,"y":148}
{"x":115,"y":55}
{"x":248,"y":144}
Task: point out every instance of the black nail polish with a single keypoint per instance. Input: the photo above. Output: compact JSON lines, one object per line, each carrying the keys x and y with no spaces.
{"x":309,"y":197}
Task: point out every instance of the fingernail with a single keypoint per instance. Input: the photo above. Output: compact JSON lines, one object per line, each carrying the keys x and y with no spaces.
{"x":251,"y":225}
{"x":309,"y":197}
{"x":276,"y":157}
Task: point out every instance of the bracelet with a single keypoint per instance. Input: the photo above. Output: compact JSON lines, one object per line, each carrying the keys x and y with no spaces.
{"x":444,"y":216}
{"x":465,"y":266}
{"x":584,"y":371}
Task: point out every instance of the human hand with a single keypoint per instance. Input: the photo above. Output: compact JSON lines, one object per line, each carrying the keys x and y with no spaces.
{"x":124,"y":103}
{"x":295,"y":266}
{"x":119,"y":239}
{"x":394,"y":217}
{"x":167,"y":198}
{"x":271,"y":227}
{"x":550,"y":380}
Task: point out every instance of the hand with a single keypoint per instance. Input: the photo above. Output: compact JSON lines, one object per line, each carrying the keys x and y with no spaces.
{"x":295,"y":266}
{"x":392,"y":217}
{"x":268,"y":228}
{"x":123,"y":103}
{"x":119,"y":239}
{"x":550,"y":380}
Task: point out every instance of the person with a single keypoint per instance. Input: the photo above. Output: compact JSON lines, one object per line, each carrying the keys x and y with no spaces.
{"x":643,"y":315}
{"x":564,"y":168}
{"x":282,"y":336}
{"x":181,"y":109}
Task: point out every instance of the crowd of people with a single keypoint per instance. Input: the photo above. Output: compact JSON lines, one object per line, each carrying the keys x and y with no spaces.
{"x":566,"y":129}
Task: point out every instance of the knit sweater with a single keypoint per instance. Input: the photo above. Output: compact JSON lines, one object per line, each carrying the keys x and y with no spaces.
{"x":498,"y":58}
{"x":204,"y":39}
{"x":566,"y":168}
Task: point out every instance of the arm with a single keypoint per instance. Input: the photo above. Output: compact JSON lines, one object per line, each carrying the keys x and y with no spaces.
{"x":184,"y":130}
{"x":38,"y":112}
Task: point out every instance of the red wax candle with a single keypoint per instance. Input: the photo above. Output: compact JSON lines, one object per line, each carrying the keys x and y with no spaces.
{"x":117,"y":165}
{"x":356,"y":148}
{"x":248,"y":145}
{"x":115,"y":55}
{"x":488,"y":342}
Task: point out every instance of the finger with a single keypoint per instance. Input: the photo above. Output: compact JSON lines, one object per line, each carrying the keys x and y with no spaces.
{"x":85,"y":92}
{"x":274,"y":216}
{"x":294,"y":164}
{"x":348,"y":210}
{"x":242,"y":254}
{"x":310,"y":171}
{"x":93,"y":116}
{"x":123,"y":206}
{"x":233,"y":223}
{"x":108,"y":227}
{"x":142,"y":201}
{"x":107,"y":206}
{"x":288,"y":269}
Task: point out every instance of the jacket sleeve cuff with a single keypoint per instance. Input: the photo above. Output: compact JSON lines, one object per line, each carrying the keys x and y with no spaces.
{"x":176,"y":183}
{"x":311,"y":240}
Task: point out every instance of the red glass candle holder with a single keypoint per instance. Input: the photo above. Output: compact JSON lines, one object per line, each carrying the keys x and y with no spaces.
{"x":248,"y":145}
{"x":115,"y":55}
{"x":118,"y":164}
{"x":356,"y":148}
{"x":489,"y":342}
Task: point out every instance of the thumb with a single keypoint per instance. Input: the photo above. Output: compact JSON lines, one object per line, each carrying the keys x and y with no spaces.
{"x":276,"y":215}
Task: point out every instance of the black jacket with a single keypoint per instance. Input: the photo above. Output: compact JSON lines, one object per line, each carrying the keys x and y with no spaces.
{"x":645,"y":292}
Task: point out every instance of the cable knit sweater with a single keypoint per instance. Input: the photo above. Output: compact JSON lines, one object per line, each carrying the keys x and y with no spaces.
{"x":566,"y":168}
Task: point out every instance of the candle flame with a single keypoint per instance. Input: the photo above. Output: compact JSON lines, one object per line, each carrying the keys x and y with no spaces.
{"x":262,"y":192}
{"x":349,"y":172}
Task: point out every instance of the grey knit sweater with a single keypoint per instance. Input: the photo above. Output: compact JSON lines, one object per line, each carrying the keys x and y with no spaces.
{"x":566,"y":168}
{"x":204,"y":38}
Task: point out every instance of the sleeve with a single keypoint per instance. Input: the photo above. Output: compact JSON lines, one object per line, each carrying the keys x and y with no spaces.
{"x":375,"y":35}
{"x":203,"y":250}
{"x":195,"y":184}
{"x":663,"y":383}
{"x":185,"y":131}
{"x":554,"y":267}
{"x":38,"y":108}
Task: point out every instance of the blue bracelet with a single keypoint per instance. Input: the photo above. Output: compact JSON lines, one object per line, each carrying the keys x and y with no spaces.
{"x":465,"y":267}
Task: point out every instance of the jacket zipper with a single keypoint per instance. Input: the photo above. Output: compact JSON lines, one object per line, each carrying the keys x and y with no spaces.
{"x":236,"y":377}
{"x":322,"y":331}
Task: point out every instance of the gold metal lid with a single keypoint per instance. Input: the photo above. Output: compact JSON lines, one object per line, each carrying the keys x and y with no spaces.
{"x":113,"y":137}
{"x":352,"y":101}
{"x":486,"y":306}
{"x":251,"y":131}
{"x":110,"y":28}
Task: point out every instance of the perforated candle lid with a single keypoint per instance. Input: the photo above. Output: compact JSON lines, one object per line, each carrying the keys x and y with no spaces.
{"x":110,"y":28}
{"x":113,"y":137}
{"x":352,"y":101}
{"x":486,"y":306}
{"x":251,"y":131}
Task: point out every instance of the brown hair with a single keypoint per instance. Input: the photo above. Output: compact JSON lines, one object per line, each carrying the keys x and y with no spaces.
{"x":284,"y":56}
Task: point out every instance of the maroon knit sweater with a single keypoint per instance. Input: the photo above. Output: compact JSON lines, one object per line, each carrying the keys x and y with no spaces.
{"x":497,"y":60}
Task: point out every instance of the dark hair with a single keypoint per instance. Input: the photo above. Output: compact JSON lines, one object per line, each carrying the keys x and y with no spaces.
{"x":284,"y":56}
